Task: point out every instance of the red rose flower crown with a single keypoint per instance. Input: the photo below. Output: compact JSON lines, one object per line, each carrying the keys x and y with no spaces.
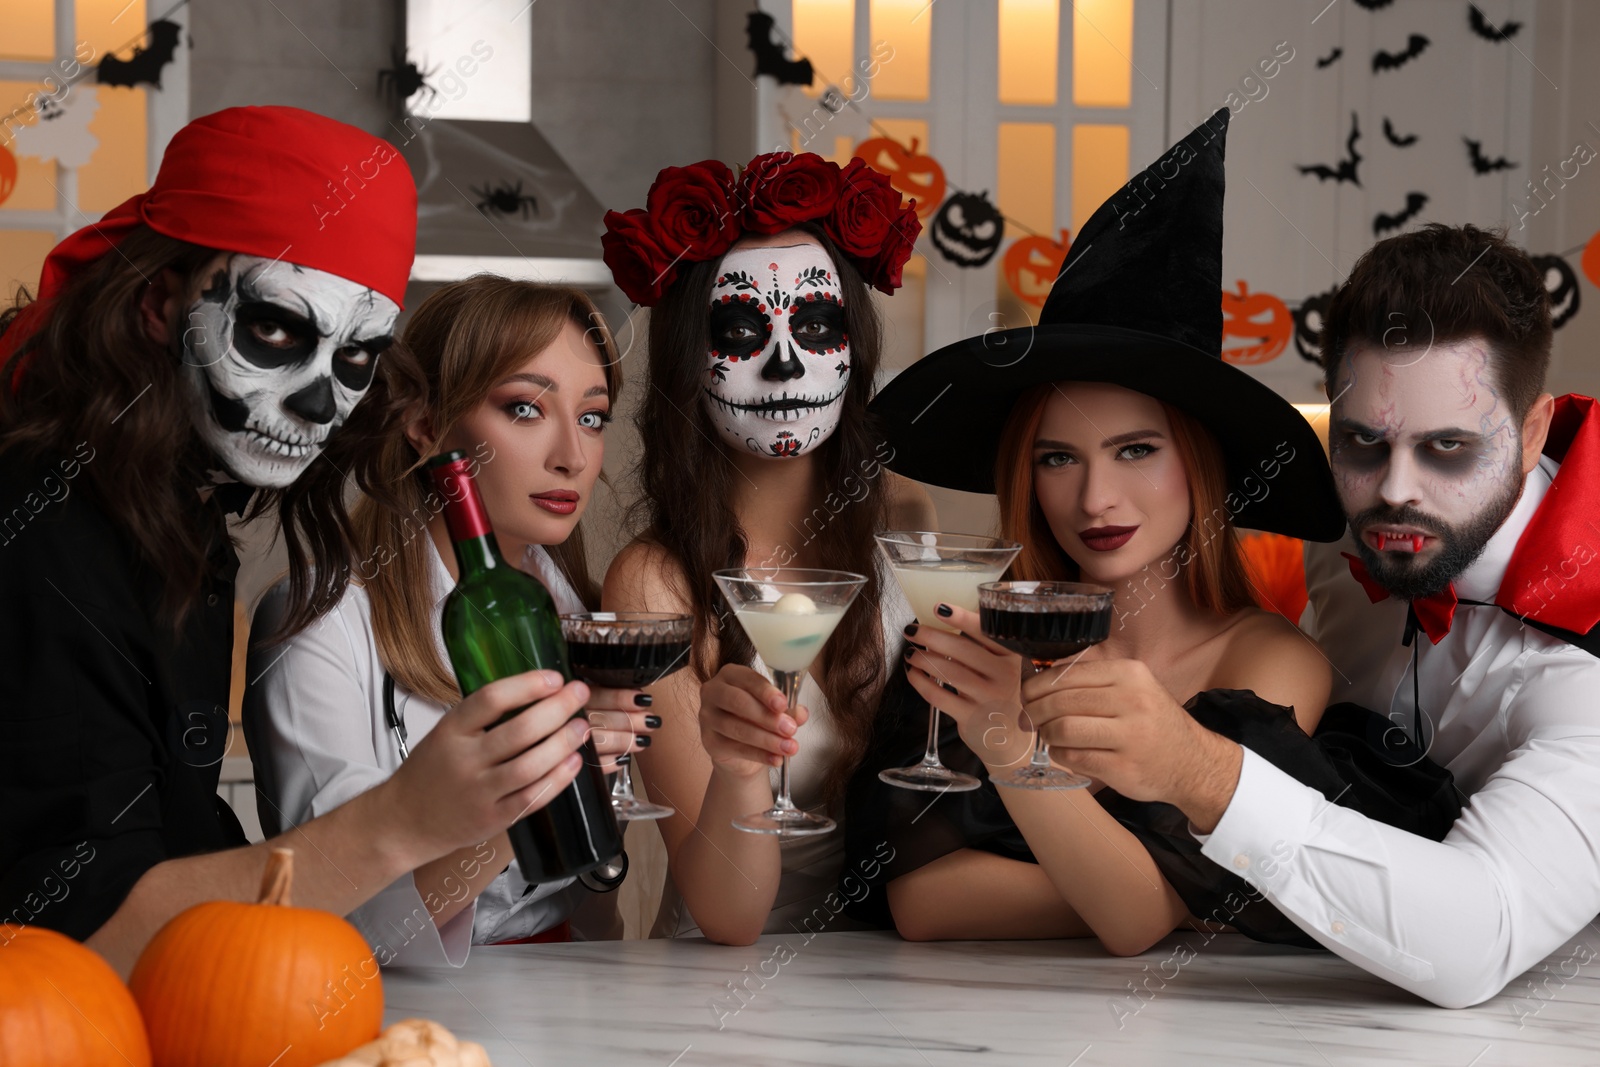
{"x":696,"y":213}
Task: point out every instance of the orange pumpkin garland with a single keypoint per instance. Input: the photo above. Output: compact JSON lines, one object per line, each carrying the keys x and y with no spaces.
{"x":1242,"y":318}
{"x":909,"y":174}
{"x":61,"y":1005}
{"x":226,"y":984}
{"x":1031,"y":265}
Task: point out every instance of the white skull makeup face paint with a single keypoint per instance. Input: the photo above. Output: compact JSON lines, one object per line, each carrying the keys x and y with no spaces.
{"x":780,"y":358}
{"x":278,"y":355}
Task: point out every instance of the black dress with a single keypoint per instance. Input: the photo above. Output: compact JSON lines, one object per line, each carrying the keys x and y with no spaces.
{"x":1357,"y":759}
{"x":112,"y":726}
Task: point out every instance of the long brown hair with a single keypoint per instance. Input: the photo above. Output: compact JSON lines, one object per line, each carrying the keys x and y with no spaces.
{"x":1208,"y":557}
{"x":92,"y":376}
{"x":688,"y":484}
{"x":466,"y":337}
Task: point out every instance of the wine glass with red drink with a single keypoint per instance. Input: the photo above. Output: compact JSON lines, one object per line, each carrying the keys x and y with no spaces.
{"x":626,"y":650}
{"x":1045,"y":622}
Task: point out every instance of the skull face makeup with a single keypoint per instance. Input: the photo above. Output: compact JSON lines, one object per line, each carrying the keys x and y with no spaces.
{"x":780,"y":358}
{"x":278,"y":355}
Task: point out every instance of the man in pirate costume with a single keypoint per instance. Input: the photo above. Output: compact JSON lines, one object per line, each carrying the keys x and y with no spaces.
{"x":207,"y":342}
{"x":1462,"y":604}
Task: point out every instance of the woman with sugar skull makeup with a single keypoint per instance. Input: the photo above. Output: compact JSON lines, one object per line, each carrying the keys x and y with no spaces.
{"x":758,"y":451}
{"x":206,"y":342}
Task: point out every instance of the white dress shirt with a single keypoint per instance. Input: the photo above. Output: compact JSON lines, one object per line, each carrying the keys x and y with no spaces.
{"x":1515,"y":717}
{"x":318,"y":736}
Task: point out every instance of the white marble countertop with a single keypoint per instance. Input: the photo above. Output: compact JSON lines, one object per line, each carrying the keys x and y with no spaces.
{"x":870,"y":998}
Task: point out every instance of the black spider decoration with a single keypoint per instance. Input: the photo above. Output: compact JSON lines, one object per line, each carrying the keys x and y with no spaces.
{"x":405,"y":79}
{"x":506,"y":199}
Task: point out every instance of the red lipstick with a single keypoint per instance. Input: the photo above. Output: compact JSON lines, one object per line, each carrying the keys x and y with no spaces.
{"x":557,"y":501}
{"x":1107,"y":538}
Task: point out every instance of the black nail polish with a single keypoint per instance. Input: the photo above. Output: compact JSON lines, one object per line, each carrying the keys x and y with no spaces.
{"x":652,"y":722}
{"x":643,"y":740}
{"x":944,"y":611}
{"x":947,"y":687}
{"x":911,"y":630}
{"x":643,"y":700}
{"x":910,"y":652}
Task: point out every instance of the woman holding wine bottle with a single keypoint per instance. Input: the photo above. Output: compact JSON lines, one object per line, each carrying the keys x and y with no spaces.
{"x":520,"y":377}
{"x":1124,"y":452}
{"x":757,"y":451}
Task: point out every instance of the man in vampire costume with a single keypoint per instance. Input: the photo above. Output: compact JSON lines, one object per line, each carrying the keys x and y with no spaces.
{"x":202,"y":344}
{"x":1462,"y":604}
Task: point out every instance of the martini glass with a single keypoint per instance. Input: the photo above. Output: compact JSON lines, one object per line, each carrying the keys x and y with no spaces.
{"x":788,"y":613}
{"x":1046,"y":622}
{"x":934,"y":568}
{"x":626,"y":650}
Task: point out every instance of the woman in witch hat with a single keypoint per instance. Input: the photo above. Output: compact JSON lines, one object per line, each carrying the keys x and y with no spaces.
{"x":1124,"y":452}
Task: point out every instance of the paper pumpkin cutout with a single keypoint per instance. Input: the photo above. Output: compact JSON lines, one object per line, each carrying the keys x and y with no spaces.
{"x":968,"y":229}
{"x":1590,"y":263}
{"x":1308,"y":320}
{"x":1031,"y":265}
{"x":910,"y":174}
{"x":1261,"y":319}
{"x":8,"y":173}
{"x":1561,"y":282}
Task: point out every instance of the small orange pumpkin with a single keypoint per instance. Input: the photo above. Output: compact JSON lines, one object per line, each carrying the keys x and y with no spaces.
{"x":1242,"y":317}
{"x":226,"y":984}
{"x":909,"y":173}
{"x":61,"y":1005}
{"x":1031,"y":265}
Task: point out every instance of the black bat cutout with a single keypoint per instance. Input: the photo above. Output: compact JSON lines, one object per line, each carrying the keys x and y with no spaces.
{"x":1346,"y":169}
{"x":1329,"y":59}
{"x":1482,"y":164}
{"x":1416,"y":44}
{"x":1382,"y":223}
{"x":144,"y":65}
{"x":1562,"y":288}
{"x":1373,"y":5}
{"x":771,"y":56}
{"x":1394,"y":138}
{"x":1488,"y":30}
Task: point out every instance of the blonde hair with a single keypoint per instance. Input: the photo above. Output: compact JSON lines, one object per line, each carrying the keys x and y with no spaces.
{"x":466,"y":337}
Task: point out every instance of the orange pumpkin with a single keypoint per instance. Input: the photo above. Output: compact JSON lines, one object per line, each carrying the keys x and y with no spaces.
{"x":1591,"y":259}
{"x":1031,"y":265}
{"x":8,"y":173}
{"x":1261,"y":319}
{"x":226,"y":984}
{"x":1277,"y":572}
{"x":909,"y":173}
{"x":61,"y":1005}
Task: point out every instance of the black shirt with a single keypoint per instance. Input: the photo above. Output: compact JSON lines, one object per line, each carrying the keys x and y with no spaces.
{"x":112,"y":726}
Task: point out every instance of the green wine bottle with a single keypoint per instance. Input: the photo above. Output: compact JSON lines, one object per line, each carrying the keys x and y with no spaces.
{"x":500,"y":621}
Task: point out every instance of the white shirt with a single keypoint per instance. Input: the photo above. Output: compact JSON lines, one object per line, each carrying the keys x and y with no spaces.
{"x":1517,"y":722}
{"x":318,"y":736}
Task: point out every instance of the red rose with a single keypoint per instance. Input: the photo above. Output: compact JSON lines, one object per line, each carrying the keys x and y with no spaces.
{"x":692,"y":210}
{"x":867,"y":209}
{"x":780,"y":189}
{"x":883,"y":272}
{"x":641,"y":268}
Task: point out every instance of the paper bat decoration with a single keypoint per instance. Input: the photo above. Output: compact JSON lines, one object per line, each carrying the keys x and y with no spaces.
{"x":145,"y":64}
{"x":1329,"y":59}
{"x":1394,"y":138}
{"x":62,"y":132}
{"x":1373,"y":5}
{"x":1488,"y":30}
{"x":771,"y":57}
{"x":1482,"y":164}
{"x":1382,"y":223}
{"x":1415,"y":46}
{"x":1345,"y":171}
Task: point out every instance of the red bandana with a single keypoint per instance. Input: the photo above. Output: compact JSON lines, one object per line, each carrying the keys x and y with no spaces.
{"x":1546,"y":579}
{"x":275,"y":182}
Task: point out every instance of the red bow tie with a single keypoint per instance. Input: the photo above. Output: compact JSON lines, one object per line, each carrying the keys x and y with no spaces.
{"x":1433,"y":612}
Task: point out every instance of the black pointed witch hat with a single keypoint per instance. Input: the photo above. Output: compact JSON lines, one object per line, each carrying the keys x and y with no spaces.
{"x":1138,"y":303}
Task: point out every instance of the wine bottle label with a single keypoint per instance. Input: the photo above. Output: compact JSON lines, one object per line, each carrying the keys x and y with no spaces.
{"x":464,"y":513}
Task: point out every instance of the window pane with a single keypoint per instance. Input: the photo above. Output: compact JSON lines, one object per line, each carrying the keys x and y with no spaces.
{"x":35,"y":178}
{"x":117,"y":170}
{"x":477,"y":57}
{"x":1102,"y":53}
{"x":1099,"y":168}
{"x":22,"y":255}
{"x":110,"y":26}
{"x":902,"y":25}
{"x":30,"y":33}
{"x":825,"y":33}
{"x":1027,"y":176}
{"x":1030,"y":31}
